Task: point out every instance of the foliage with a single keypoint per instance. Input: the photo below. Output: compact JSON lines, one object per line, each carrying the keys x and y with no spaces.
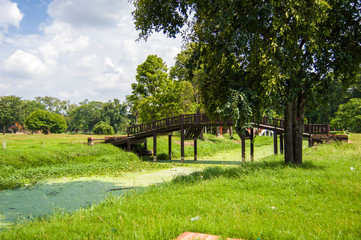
{"x":155,"y":95}
{"x":263,"y":200}
{"x":280,"y":54}
{"x":29,"y":106}
{"x":348,"y":116}
{"x":55,"y":105}
{"x":103,"y":128}
{"x":45,"y":121}
{"x":10,"y":108}
{"x":30,"y":158}
{"x":84,"y":117}
{"x":115,"y":113}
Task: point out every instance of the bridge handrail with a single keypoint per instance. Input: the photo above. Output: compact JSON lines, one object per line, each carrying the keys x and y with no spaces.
{"x":168,"y":122}
{"x":203,"y":118}
{"x":308,"y":128}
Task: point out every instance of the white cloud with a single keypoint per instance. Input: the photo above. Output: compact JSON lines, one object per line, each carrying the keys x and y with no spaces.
{"x":24,"y":64}
{"x":88,"y":13}
{"x":88,"y":50}
{"x":10,"y":15}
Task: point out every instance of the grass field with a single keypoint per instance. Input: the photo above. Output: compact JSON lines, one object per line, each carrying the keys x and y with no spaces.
{"x":261,"y":200}
{"x":30,"y":158}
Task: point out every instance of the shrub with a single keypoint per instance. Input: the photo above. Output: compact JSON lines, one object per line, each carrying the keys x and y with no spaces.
{"x":45,"y":121}
{"x":103,"y":128}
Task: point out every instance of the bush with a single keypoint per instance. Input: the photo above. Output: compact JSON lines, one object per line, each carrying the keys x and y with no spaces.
{"x":348,"y":116}
{"x":103,"y":128}
{"x":45,"y":121}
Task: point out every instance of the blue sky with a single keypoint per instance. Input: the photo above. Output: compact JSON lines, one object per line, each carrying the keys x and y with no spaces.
{"x":73,"y":49}
{"x":35,"y":14}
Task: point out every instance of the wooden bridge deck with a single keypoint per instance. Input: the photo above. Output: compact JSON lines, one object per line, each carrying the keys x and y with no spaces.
{"x":191,"y":126}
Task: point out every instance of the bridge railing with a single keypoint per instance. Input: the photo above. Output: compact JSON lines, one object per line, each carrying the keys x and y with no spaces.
{"x":168,"y":123}
{"x":308,"y":128}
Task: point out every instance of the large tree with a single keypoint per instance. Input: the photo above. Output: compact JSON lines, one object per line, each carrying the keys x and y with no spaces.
{"x":45,"y":121}
{"x":10,"y":111}
{"x":258,"y":54}
{"x":84,"y":117}
{"x":115,"y":114}
{"x":155,"y":95}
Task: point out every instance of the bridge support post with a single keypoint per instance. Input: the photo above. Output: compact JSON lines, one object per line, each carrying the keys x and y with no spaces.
{"x":154,"y":146}
{"x":252,"y":144}
{"x":128,"y":145}
{"x":243,"y":139}
{"x":275,"y":147}
{"x":182,"y":144}
{"x":170,"y":146}
{"x":195,"y":149}
{"x":281,"y":143}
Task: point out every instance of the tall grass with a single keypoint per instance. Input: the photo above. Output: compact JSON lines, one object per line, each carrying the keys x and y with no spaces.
{"x":28,"y":159}
{"x":259,"y":200}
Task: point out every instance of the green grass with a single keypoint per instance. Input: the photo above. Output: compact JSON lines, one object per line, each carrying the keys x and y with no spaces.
{"x":261,"y":200}
{"x":28,"y":159}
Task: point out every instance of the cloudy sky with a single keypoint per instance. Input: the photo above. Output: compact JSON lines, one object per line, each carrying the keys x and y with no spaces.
{"x":73,"y":49}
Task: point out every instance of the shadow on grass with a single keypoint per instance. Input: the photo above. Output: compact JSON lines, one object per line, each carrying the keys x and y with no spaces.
{"x":203,"y":162}
{"x":243,"y":169}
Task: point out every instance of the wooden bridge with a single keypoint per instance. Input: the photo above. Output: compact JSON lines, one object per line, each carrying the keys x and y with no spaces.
{"x":191,"y":126}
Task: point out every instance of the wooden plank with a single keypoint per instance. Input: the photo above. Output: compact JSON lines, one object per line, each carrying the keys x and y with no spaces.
{"x":195,"y":149}
{"x":252,"y":144}
{"x":243,"y":139}
{"x":275,"y":147}
{"x":182,"y":144}
{"x":154,"y":146}
{"x":170,"y":146}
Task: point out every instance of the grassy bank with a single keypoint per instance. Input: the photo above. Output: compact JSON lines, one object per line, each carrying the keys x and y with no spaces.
{"x":260,"y":200}
{"x":30,"y":158}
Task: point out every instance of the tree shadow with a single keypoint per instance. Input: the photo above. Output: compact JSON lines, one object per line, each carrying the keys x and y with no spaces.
{"x":244,"y":168}
{"x":202,"y":162}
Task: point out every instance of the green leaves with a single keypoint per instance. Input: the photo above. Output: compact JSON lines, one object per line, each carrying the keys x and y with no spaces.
{"x":155,"y":95}
{"x":46,"y":122}
{"x":10,"y":111}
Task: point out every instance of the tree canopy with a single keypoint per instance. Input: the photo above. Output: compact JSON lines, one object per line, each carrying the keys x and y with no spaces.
{"x":264,"y":54}
{"x":45,"y":121}
{"x":155,"y":95}
{"x":10,"y":111}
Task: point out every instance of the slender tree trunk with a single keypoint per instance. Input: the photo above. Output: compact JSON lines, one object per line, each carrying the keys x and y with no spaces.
{"x":288,"y":133}
{"x":4,"y":130}
{"x":299,"y":129}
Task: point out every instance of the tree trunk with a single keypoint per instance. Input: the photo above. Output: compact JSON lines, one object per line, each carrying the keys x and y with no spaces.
{"x":288,"y":133}
{"x":299,"y":129}
{"x":294,"y":125}
{"x":4,"y":130}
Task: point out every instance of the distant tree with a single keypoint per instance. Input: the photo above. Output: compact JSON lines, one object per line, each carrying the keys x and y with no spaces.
{"x":29,"y":106}
{"x":115,"y":113}
{"x":185,"y":70}
{"x":84,"y":117}
{"x":45,"y":121}
{"x":103,"y":128}
{"x":10,"y":111}
{"x":53,"y":104}
{"x":348,"y":116}
{"x":155,"y":95}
